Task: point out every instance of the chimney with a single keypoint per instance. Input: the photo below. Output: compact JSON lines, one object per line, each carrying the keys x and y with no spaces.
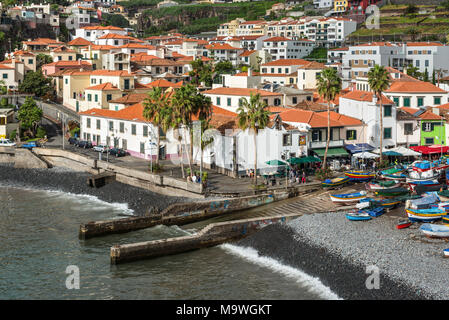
{"x":250,"y":73}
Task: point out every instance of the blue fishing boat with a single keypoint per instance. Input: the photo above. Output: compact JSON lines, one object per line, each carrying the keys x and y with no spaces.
{"x":446,"y":252}
{"x":425,"y":215}
{"x":329,"y":183}
{"x":385,"y":203}
{"x":348,"y":197}
{"x":358,"y":216}
{"x":445,"y":218}
{"x":422,"y":203}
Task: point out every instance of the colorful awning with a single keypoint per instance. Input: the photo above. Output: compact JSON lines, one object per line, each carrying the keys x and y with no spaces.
{"x":331,"y":152}
{"x":431,"y":149}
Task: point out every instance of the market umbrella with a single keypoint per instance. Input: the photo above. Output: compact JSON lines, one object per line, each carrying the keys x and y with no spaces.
{"x":406,"y":152}
{"x":365,"y":155}
{"x":309,"y":159}
{"x":276,"y":163}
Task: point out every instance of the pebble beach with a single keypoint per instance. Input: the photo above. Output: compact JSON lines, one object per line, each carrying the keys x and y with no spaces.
{"x":338,"y":251}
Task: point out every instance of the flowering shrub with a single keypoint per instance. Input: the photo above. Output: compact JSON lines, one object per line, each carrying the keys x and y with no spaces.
{"x":323,"y":173}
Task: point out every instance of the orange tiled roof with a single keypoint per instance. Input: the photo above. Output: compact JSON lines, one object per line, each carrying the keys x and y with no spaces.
{"x":247,"y":53}
{"x":240,"y":92}
{"x":104,"y":87}
{"x":79,"y":42}
{"x":162,"y":83}
{"x":102,"y":28}
{"x":364,"y":96}
{"x":413,"y":86}
{"x":81,"y":63}
{"x":287,"y":62}
{"x":423,"y":44}
{"x":221,"y":46}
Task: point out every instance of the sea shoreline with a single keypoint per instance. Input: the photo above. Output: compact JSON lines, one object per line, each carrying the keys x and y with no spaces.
{"x":327,"y":257}
{"x":75,"y":182}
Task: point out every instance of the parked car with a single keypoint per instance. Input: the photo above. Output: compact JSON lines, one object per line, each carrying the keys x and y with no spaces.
{"x":117,"y":152}
{"x":73,"y":140}
{"x":30,"y":145}
{"x":6,"y":143}
{"x":100,"y":148}
{"x":84,"y":144}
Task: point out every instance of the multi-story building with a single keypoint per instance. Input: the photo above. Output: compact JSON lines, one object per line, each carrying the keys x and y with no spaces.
{"x":285,"y":48}
{"x":92,"y":33}
{"x":224,"y":52}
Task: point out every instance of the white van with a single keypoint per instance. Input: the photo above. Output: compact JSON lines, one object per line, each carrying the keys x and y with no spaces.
{"x":6,"y":143}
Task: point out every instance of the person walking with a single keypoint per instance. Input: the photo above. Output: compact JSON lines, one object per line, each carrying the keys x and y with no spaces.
{"x":303,"y":180}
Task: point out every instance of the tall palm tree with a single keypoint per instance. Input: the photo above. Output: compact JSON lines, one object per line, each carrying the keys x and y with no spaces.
{"x":253,"y":115}
{"x":379,"y":81}
{"x":328,"y":86}
{"x":154,"y":106}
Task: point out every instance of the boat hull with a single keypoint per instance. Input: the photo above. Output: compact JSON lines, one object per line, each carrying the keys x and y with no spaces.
{"x":357,"y":217}
{"x":360,"y":176}
{"x":422,"y":217}
{"x":335,"y":182}
{"x":435,"y":231}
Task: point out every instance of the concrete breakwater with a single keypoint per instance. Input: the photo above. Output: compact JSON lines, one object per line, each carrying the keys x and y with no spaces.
{"x":210,"y":235}
{"x":184,"y":213}
{"x":176,"y":214}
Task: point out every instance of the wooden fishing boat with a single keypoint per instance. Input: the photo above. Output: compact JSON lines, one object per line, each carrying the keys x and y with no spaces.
{"x":445,"y":219}
{"x":425,"y":215}
{"x":420,"y":189}
{"x":329,"y":183}
{"x":443,"y":195}
{"x":348,"y":197}
{"x":392,"y":192}
{"x":435,"y":230}
{"x":358,"y":216}
{"x":426,"y":183}
{"x":417,"y":176}
{"x":403,"y":224}
{"x":393,"y":174}
{"x":385,"y":203}
{"x":380,"y":185}
{"x":360,"y":176}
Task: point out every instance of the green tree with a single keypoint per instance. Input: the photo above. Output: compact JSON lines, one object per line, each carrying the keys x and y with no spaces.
{"x":433,"y":76}
{"x":42,"y":59}
{"x":154,"y":107}
{"x":426,"y":76}
{"x":379,"y":81}
{"x":413,"y":72}
{"x":35,"y":83}
{"x":201,"y":72}
{"x":411,"y":9}
{"x":328,"y":86}
{"x":29,"y":115}
{"x":253,"y":115}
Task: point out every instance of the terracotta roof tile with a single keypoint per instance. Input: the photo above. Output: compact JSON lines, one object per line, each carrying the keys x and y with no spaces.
{"x":240,"y":92}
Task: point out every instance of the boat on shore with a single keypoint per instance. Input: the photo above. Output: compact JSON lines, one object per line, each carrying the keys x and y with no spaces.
{"x":358,"y":216}
{"x":435,"y":230}
{"x":421,"y":203}
{"x":360,"y":176}
{"x":403,"y":224}
{"x":381,"y":185}
{"x":393,"y":174}
{"x":385,"y":203}
{"x":374,"y":212}
{"x":329,"y":183}
{"x":392,"y":192}
{"x":348,"y":197}
{"x":425,"y":215}
{"x":445,"y":219}
{"x":426,"y":183}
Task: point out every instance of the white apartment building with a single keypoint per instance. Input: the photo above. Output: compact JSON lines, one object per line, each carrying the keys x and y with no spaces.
{"x":363,"y":105}
{"x":92,"y":33}
{"x":428,"y":56}
{"x":224,"y":52}
{"x":285,"y":48}
{"x":322,"y":4}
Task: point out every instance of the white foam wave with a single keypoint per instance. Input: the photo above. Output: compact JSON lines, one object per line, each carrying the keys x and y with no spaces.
{"x":312,"y":284}
{"x":90,"y":201}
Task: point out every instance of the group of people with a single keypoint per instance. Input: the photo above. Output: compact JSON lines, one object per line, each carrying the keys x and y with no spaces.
{"x":298,"y":176}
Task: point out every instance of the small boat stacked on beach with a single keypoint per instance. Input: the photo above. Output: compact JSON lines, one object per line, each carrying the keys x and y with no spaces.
{"x":404,"y":224}
{"x":358,"y":216}
{"x":435,"y":230}
{"x":425,"y":183}
{"x":423,"y":202}
{"x":445,"y":219}
{"x":374,"y":212}
{"x":443,"y":195}
{"x":360,"y":176}
{"x":330,"y":183}
{"x":446,"y":253}
{"x":393,"y":174}
{"x":348,"y":197}
{"x":393,"y":192}
{"x":425,"y":215}
{"x":381,"y":185}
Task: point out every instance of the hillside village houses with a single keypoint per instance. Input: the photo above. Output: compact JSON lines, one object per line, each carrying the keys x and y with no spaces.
{"x":104,"y":74}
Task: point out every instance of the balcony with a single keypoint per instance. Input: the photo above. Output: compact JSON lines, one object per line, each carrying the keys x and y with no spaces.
{"x":322,"y":144}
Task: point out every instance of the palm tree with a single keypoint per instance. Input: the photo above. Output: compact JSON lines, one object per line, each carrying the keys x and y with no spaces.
{"x":154,"y":106}
{"x":328,"y":86}
{"x":253,"y":115}
{"x":379,"y":81}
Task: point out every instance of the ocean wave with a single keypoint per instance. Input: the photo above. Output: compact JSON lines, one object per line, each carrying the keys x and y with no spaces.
{"x":92,"y":201}
{"x":310,"y":283}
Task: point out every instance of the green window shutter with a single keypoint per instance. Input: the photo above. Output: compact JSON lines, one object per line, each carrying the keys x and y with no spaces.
{"x":406,"y":102}
{"x":387,"y":111}
{"x":387,"y":133}
{"x":96,"y":98}
{"x":89,"y":97}
{"x":218,"y":101}
{"x":437,"y":100}
{"x":396,"y":101}
{"x":229,"y":102}
{"x":420,"y":102}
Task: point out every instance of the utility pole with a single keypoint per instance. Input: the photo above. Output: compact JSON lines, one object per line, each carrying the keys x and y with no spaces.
{"x":63,"y":132}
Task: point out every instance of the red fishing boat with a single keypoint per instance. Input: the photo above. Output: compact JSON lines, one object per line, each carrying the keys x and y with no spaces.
{"x":403,"y":224}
